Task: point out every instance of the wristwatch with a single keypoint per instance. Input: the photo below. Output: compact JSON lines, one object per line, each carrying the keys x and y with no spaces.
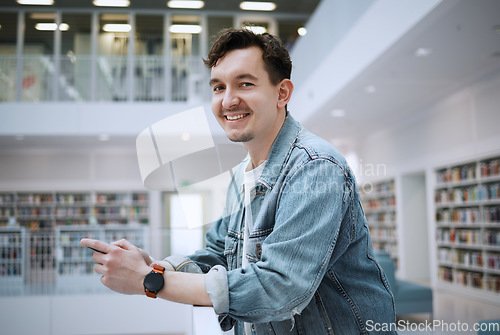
{"x":153,"y":282}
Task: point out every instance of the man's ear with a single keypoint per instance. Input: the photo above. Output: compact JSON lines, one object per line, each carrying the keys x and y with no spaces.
{"x":285,"y":92}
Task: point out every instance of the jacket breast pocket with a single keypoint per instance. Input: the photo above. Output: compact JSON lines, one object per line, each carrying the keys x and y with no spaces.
{"x":255,"y":245}
{"x":231,"y":251}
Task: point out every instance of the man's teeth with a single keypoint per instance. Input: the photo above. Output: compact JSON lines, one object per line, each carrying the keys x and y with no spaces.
{"x":236,"y":117}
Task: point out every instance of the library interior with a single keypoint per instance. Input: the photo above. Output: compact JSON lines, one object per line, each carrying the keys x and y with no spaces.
{"x":407,"y":91}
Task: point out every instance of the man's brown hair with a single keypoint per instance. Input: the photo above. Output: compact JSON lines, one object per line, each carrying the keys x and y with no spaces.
{"x":276,"y":58}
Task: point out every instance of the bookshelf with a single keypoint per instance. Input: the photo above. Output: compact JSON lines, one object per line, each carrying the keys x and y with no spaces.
{"x":379,"y":205}
{"x":12,"y":251}
{"x":467,"y":215}
{"x":47,"y":227}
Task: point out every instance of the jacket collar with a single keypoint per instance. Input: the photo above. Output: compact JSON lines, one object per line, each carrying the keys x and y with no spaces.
{"x":280,"y":150}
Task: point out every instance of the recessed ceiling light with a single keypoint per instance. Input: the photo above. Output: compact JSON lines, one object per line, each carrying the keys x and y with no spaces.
{"x":36,"y":2}
{"x":422,"y":52}
{"x":111,"y":3}
{"x":256,"y":29}
{"x":189,"y":4}
{"x":337,"y":113}
{"x":255,"y":5}
{"x":302,"y":31}
{"x":185,"y":29}
{"x":104,"y":137}
{"x":43,"y":16}
{"x":116,"y":28}
{"x":370,"y":89}
{"x":51,"y":26}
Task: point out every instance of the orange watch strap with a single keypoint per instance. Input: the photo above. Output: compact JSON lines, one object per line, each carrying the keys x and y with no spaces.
{"x":150,"y":294}
{"x":158,"y":269}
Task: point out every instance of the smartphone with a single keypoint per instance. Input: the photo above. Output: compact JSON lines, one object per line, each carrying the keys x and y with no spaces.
{"x":96,"y":250}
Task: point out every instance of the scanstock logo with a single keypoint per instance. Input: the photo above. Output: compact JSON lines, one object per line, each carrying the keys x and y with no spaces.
{"x":179,"y":153}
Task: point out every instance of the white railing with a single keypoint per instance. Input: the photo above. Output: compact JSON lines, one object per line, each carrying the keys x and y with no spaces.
{"x":108,"y":78}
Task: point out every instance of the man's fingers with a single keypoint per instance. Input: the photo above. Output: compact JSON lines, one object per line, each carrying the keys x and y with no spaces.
{"x":96,"y":245}
{"x":124,"y":244}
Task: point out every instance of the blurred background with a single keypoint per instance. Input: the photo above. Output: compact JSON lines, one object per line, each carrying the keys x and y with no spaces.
{"x":406,"y":90}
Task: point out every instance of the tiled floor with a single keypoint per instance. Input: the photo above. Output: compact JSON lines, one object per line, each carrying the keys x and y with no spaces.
{"x":453,"y":314}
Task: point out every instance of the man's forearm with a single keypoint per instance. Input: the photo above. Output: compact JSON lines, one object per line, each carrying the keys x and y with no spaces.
{"x":185,"y":288}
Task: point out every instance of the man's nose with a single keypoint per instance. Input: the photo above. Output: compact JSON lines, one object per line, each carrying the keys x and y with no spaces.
{"x":230,"y":99}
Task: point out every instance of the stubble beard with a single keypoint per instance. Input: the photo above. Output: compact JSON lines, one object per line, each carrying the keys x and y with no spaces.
{"x":245,"y":137}
{"x":241,"y":138}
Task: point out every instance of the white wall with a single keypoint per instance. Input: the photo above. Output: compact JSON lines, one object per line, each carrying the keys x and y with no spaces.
{"x":461,"y":126}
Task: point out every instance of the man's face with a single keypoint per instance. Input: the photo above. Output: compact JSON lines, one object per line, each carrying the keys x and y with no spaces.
{"x":244,"y":99}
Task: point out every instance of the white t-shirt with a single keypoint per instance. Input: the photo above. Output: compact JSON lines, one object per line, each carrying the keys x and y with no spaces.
{"x":249,"y":184}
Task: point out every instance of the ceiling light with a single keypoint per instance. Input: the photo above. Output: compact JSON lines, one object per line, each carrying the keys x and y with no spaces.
{"x":43,"y":16}
{"x":104,"y":137}
{"x":186,"y":4}
{"x":302,"y":31}
{"x":117,"y":28}
{"x":255,"y":5}
{"x":370,"y":89}
{"x":51,"y":26}
{"x":114,"y":17}
{"x":256,"y":29}
{"x":185,"y":29}
{"x":337,"y":113}
{"x":112,"y":3}
{"x":36,"y":2}
{"x":422,"y":52}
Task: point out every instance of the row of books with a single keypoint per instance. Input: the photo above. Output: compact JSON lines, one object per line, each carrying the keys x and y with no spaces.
{"x":469,"y":236}
{"x":10,"y":269}
{"x":469,"y":258}
{"x":381,"y":217}
{"x":490,"y":214}
{"x":48,"y":213}
{"x":73,"y":268}
{"x":10,"y":252}
{"x":45,"y":198}
{"x":456,"y":174}
{"x":383,"y":233}
{"x":463,"y":257}
{"x":463,"y":215}
{"x":466,"y":194}
{"x":463,"y":236}
{"x":490,"y":168}
{"x":379,"y":203}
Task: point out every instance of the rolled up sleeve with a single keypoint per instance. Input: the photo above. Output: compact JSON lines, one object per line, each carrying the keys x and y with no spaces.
{"x":218,"y":289}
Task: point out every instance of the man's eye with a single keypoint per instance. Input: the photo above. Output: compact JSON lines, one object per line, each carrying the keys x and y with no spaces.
{"x":246,"y":84}
{"x":218,"y":88}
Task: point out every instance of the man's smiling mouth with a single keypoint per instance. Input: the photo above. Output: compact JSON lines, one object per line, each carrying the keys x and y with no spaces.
{"x":236,"y":117}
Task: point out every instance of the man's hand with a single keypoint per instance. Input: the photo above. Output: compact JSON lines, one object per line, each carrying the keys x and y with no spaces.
{"x":122,"y":265}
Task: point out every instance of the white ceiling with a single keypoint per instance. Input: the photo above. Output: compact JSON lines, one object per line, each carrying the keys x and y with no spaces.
{"x":464,"y":37}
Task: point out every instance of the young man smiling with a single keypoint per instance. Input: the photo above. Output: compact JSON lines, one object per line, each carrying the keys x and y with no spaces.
{"x":291,"y":253}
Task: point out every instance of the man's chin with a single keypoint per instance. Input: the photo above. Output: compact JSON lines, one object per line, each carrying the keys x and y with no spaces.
{"x":240,"y":138}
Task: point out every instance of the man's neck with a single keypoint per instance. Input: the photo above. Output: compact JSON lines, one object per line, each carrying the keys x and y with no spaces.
{"x":259,"y":149}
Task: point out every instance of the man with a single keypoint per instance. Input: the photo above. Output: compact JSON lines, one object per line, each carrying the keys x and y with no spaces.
{"x":291,"y":253}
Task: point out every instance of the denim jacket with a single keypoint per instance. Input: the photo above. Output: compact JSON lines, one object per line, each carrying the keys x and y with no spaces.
{"x":311,"y":267}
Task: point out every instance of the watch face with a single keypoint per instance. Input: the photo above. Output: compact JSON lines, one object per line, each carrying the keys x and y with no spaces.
{"x":153,"y":282}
